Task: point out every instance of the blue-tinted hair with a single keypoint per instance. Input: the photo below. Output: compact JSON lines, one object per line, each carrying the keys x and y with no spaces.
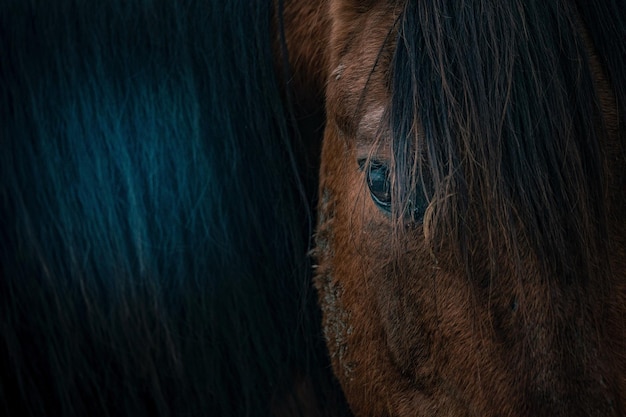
{"x":153,"y":228}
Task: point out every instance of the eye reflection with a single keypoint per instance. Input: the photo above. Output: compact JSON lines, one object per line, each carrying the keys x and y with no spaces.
{"x":378,"y":182}
{"x":379,"y":185}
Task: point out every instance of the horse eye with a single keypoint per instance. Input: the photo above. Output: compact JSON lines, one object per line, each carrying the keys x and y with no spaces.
{"x":378,"y":184}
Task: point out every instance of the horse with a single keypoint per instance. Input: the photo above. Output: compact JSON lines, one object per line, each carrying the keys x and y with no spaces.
{"x":155,"y":214}
{"x":156,"y":206}
{"x":471,"y":227}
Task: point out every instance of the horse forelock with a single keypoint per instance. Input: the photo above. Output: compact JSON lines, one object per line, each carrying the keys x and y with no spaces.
{"x":510,"y":130}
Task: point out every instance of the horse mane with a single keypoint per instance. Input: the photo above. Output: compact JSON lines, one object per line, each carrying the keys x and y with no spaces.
{"x":606,"y":24}
{"x":153,"y":233}
{"x":510,"y":127}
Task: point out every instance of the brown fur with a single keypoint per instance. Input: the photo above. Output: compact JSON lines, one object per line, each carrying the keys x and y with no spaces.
{"x":306,"y":37}
{"x":412,"y":333}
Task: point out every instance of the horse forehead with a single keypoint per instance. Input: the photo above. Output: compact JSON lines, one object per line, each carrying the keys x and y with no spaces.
{"x":370,"y":125}
{"x":359,"y":28}
{"x":362,"y":44}
{"x":358,"y":90}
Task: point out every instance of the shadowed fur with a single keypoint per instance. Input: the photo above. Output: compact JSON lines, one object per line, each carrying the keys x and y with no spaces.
{"x":153,"y":234}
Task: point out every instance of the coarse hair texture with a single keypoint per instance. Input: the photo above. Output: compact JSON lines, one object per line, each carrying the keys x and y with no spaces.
{"x":494,"y":103}
{"x":153,"y":230}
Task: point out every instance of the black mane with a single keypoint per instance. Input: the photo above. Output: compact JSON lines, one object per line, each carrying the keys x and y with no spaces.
{"x":153,"y":236}
{"x":511,"y":125}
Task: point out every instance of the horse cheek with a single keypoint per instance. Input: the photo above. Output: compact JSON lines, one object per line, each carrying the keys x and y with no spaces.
{"x":346,"y":303}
